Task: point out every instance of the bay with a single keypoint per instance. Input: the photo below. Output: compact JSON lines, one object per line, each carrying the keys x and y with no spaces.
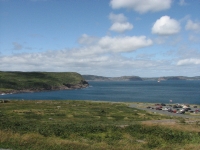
{"x":184,"y":91}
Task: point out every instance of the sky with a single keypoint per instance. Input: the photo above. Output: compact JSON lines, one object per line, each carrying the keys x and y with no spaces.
{"x":112,"y":38}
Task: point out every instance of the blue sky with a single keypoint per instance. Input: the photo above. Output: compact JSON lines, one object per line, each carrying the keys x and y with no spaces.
{"x":147,"y":38}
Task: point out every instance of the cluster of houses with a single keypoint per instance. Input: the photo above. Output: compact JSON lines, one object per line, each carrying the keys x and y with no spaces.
{"x":176,"y":108}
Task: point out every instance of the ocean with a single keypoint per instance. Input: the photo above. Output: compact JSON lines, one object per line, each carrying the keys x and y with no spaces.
{"x":179,"y":91}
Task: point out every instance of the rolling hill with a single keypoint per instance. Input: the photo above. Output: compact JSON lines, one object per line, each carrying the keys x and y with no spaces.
{"x":15,"y":82}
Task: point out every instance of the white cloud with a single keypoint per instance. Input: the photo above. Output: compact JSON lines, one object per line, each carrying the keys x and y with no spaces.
{"x":98,"y":61}
{"x":103,"y":54}
{"x":142,"y":6}
{"x":87,"y":40}
{"x":124,"y":44}
{"x":117,"y":17}
{"x":64,"y":60}
{"x":166,"y":26}
{"x":190,"y":61}
{"x":194,"y":26}
{"x":109,"y":44}
{"x":120,"y":23}
{"x":121,"y":27}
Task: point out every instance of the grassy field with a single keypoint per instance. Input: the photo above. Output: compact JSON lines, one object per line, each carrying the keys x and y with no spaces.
{"x":36,"y":81}
{"x":42,"y":125}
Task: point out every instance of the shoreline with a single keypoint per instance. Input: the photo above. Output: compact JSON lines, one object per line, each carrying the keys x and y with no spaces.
{"x":68,"y":87}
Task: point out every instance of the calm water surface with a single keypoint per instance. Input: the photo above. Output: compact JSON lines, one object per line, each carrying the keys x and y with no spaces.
{"x":124,"y":91}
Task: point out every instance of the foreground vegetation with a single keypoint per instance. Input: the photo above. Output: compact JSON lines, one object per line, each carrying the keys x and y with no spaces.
{"x":13,"y":82}
{"x":89,"y":125}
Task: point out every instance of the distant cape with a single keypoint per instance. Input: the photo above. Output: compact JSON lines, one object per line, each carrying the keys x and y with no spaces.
{"x":137,"y":78}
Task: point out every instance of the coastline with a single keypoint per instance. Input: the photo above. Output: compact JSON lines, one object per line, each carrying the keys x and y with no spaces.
{"x":152,"y":92}
{"x":64,"y":87}
{"x":13,"y":82}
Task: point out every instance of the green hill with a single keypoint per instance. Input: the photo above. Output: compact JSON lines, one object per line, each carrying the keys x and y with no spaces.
{"x":15,"y":82}
{"x":95,"y":78}
{"x":101,"y":78}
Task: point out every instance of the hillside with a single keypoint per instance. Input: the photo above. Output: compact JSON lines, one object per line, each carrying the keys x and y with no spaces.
{"x":93,"y":125}
{"x":172,"y":78}
{"x":101,"y":78}
{"x":15,"y":82}
{"x":137,"y":78}
{"x":126,"y":78}
{"x":95,"y":78}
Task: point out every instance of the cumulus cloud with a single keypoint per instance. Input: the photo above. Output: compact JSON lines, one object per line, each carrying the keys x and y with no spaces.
{"x":87,"y":40}
{"x":193,"y":26}
{"x":121,"y":27}
{"x":142,"y":6}
{"x":116,"y":44}
{"x":190,"y":61}
{"x":124,"y":44}
{"x":120,"y":23}
{"x":166,"y":26}
{"x":108,"y":44}
{"x":65,"y":60}
{"x":104,"y":53}
{"x":99,"y":64}
{"x":97,"y":60}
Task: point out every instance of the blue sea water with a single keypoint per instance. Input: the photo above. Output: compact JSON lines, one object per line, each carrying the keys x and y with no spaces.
{"x":124,"y":91}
